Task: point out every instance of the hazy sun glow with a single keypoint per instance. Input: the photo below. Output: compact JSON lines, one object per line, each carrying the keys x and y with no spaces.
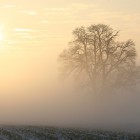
{"x":1,"y":34}
{"x":1,"y":37}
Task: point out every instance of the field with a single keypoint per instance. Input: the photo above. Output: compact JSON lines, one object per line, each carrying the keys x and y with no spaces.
{"x":51,"y":133}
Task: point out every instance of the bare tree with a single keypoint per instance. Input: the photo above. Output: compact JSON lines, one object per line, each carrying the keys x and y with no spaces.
{"x":98,"y":59}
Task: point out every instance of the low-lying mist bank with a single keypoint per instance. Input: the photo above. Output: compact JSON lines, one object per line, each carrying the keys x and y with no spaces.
{"x":68,"y":107}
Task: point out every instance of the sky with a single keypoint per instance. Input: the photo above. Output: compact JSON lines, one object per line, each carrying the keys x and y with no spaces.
{"x":32,"y":35}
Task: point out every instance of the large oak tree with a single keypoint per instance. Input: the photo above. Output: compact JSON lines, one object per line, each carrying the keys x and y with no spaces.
{"x":98,"y":59}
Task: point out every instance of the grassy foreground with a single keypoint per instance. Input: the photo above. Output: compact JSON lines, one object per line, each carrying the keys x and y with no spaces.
{"x":51,"y":133}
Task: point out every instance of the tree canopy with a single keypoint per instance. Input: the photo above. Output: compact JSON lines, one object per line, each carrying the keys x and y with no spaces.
{"x":98,"y":59}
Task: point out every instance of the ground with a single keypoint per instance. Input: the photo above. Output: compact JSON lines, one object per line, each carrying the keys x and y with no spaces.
{"x":51,"y":133}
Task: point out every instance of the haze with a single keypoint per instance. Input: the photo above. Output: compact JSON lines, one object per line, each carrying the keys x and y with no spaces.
{"x":32,"y":35}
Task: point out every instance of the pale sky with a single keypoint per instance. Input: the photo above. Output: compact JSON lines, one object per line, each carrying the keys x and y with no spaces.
{"x":33,"y":33}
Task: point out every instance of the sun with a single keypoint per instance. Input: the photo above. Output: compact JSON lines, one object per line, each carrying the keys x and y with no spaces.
{"x":1,"y":37}
{"x":1,"y":33}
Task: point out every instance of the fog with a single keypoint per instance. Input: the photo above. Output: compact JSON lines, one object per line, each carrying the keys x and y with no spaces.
{"x":32,"y":37}
{"x":64,"y":106}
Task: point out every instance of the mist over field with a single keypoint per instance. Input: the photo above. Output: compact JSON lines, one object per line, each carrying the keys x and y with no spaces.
{"x":33,"y":36}
{"x":73,"y":108}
